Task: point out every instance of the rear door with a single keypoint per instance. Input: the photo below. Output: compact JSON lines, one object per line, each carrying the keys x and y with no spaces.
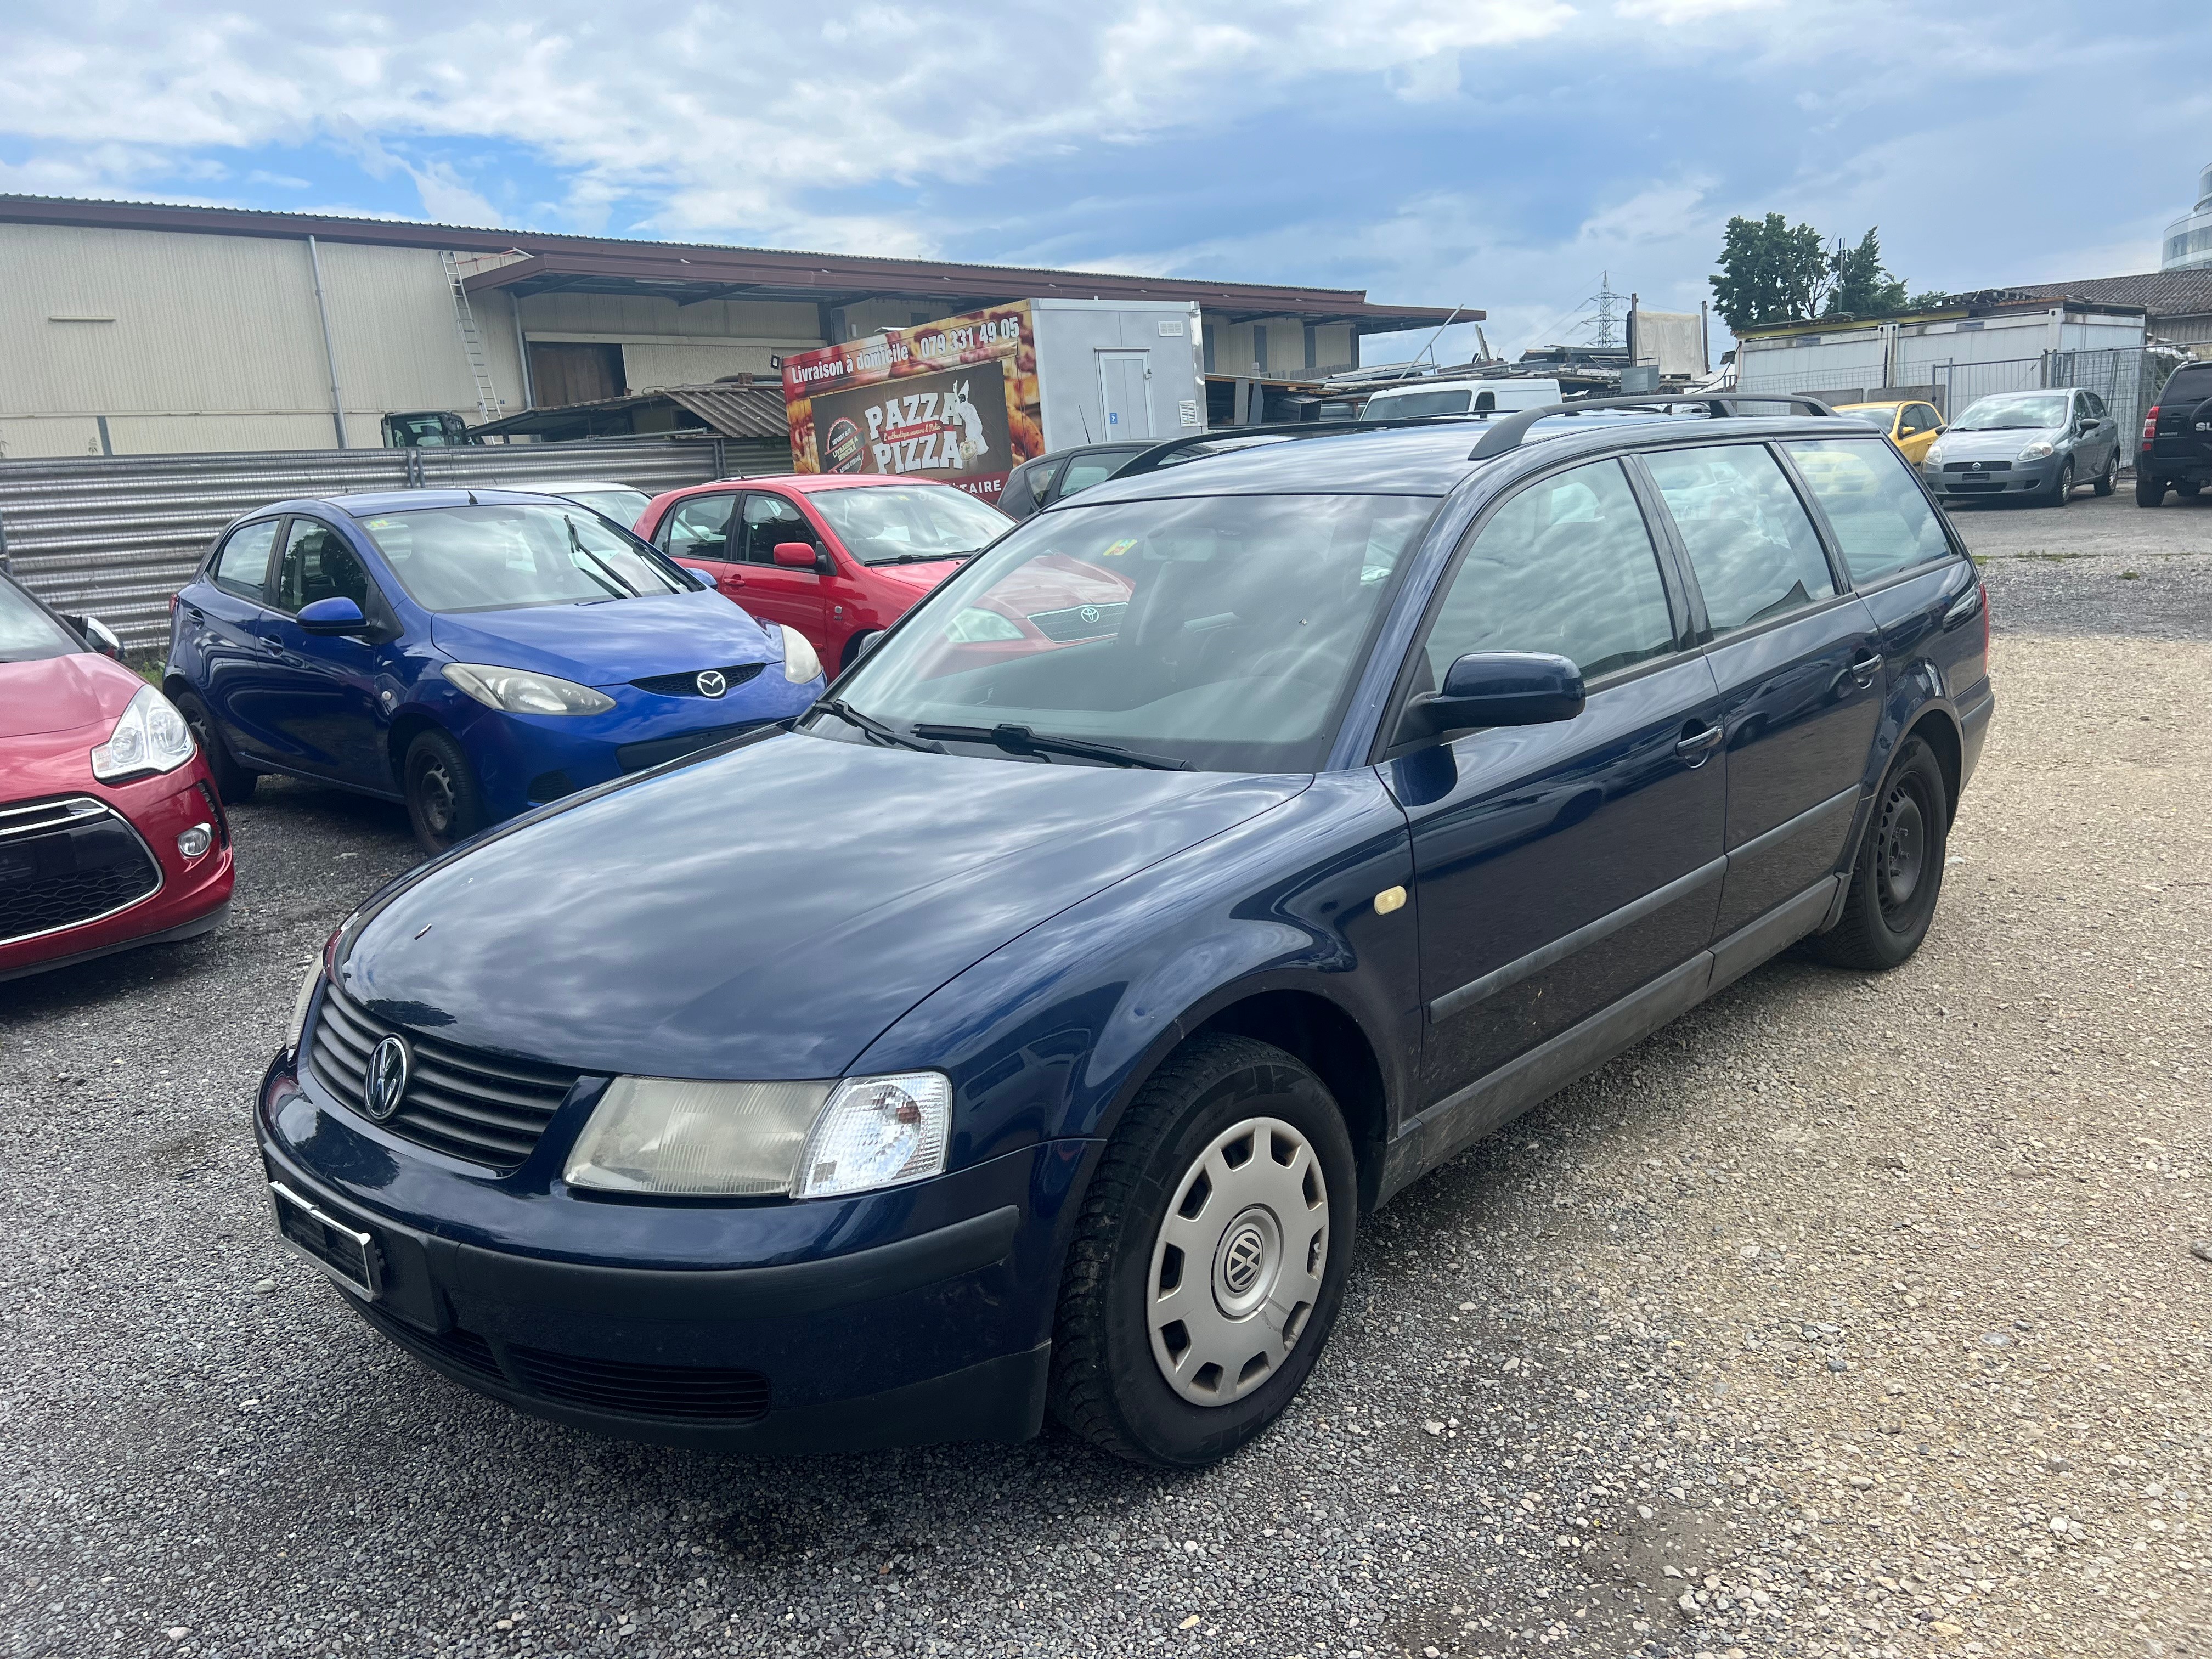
{"x":1559,"y":867}
{"x":697,"y":532}
{"x":324,"y":708}
{"x":1798,"y":661}
{"x":226,"y":611}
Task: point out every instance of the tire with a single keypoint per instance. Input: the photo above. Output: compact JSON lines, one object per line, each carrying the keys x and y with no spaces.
{"x":444,"y":803}
{"x":233,"y":782}
{"x":2061,"y":487}
{"x":2110,"y":481}
{"x":1903,"y":847}
{"x":2149,"y":492}
{"x":1129,"y":1377}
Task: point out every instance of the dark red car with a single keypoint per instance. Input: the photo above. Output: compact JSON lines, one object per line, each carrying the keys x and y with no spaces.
{"x":834,"y":556}
{"x":111,"y":834}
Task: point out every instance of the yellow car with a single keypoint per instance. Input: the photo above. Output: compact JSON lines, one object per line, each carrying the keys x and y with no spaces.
{"x":1913,"y":427}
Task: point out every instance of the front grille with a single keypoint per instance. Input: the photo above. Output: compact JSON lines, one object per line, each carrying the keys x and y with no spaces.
{"x":464,"y":1350}
{"x":64,"y":863}
{"x":701,"y":1393}
{"x":687,"y":685}
{"x":1081,"y":621}
{"x":636,"y":756}
{"x":1978,"y":467}
{"x":486,"y":1108}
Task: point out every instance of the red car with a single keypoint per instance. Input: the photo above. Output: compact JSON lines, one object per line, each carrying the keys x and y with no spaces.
{"x":111,"y":834}
{"x":835,"y":555}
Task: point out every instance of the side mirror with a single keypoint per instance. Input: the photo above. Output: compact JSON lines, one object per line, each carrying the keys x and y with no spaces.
{"x":327,"y":617}
{"x":869,"y":641}
{"x":100,"y":636}
{"x":698,"y":579}
{"x":795,"y":556}
{"x":1496,"y":688}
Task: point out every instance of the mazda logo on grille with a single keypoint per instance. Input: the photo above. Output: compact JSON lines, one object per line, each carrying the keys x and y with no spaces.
{"x":712,"y":685}
{"x":1089,"y":613}
{"x":386,"y":1085}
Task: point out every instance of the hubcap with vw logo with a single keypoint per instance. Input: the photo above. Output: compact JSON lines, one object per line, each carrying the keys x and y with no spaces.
{"x":1237,"y":1264}
{"x":386,"y":1084}
{"x":712,"y":683}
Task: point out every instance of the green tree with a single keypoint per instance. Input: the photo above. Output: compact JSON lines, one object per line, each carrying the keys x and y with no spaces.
{"x":1771,"y":272}
{"x":1861,"y":286}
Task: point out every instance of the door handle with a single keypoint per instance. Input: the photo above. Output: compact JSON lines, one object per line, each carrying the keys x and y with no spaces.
{"x":1697,"y":744}
{"x":1866,"y":665}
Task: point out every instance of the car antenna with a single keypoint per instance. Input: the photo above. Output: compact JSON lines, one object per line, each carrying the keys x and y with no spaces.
{"x":472,"y":494}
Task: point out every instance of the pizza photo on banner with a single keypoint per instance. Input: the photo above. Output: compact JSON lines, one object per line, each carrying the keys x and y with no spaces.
{"x":953,"y":401}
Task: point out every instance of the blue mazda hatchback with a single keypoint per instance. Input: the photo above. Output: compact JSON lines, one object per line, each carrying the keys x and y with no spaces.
{"x":470,"y":653}
{"x":1087,"y":989}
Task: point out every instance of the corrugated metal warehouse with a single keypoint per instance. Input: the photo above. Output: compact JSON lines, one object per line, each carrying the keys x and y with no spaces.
{"x":129,"y":328}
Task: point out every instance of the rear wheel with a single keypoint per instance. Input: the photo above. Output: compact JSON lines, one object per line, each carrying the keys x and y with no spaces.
{"x":2149,"y":492}
{"x":1898,"y":874}
{"x":233,"y":782}
{"x":444,"y":803}
{"x":1210,"y":1258}
{"x":2109,"y":479}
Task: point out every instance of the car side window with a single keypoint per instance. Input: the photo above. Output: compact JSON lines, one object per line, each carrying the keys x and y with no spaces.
{"x":1567,"y":566}
{"x":698,"y":527}
{"x":242,"y":567}
{"x":1909,"y":424}
{"x":1755,"y":553}
{"x":772,"y":518}
{"x":1882,"y":522}
{"x":1085,"y":471}
{"x":2095,"y":405}
{"x":1039,"y":478}
{"x":318,"y":565}
{"x":1930,"y":420}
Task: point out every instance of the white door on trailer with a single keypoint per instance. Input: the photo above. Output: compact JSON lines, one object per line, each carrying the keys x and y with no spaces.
{"x":1121,"y":386}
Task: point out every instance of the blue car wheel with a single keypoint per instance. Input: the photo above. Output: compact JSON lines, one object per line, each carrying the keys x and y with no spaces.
{"x":444,"y":803}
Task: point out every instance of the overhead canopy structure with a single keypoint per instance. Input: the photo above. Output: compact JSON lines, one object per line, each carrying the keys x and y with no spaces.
{"x":753,"y":413}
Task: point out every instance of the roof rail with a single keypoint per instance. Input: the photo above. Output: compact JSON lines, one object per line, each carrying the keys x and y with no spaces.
{"x":1158,"y":455}
{"x":1506,"y":434}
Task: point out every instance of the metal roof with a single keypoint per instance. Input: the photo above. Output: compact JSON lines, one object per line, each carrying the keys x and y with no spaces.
{"x":690,"y":272}
{"x":2160,"y":293}
{"x":735,"y":411}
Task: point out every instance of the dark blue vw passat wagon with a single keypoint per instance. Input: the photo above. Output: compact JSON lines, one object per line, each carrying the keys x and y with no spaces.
{"x":1029,"y":1026}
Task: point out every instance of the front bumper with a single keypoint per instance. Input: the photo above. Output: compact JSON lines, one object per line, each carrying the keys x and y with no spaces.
{"x":901,"y":1318}
{"x":2024,"y":478}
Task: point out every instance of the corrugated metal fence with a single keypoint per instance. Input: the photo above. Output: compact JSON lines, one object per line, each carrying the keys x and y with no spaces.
{"x":114,"y":537}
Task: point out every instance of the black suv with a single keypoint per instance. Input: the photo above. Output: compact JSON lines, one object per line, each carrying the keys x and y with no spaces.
{"x":2177,"y":439}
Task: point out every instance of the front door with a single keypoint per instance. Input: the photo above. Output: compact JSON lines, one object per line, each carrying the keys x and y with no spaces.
{"x":777,"y":592}
{"x":1559,"y":867}
{"x":1122,"y":378}
{"x":324,"y":708}
{"x":1799,"y":662}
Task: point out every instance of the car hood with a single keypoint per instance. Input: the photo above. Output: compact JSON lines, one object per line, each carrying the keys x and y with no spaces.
{"x":605,"y":644}
{"x":60,"y":694}
{"x":920,"y":579}
{"x":1999,"y":446}
{"x":766,"y":912}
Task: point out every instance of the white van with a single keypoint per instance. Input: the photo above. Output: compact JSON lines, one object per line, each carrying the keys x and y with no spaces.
{"x":1458,"y":398}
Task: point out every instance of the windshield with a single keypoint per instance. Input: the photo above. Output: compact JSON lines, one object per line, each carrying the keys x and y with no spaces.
{"x":1224,"y":633}
{"x":1395,"y":408}
{"x":1876,"y":415}
{"x":28,"y":633}
{"x":2026,"y":410}
{"x":503,"y":557}
{"x":905,"y":524}
{"x":623,"y":505}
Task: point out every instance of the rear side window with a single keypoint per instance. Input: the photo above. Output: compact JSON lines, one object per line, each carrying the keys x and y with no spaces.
{"x":1882,"y":520}
{"x":1754,"y":550}
{"x":242,"y":567}
{"x":2188,"y":388}
{"x":698,"y":528}
{"x":1085,"y":471}
{"x":1566,"y":567}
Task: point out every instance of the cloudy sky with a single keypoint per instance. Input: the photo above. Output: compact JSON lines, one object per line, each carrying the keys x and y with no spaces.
{"x":1493,"y":152}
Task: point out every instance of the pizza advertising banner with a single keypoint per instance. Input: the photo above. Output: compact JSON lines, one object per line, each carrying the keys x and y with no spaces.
{"x":953,"y":401}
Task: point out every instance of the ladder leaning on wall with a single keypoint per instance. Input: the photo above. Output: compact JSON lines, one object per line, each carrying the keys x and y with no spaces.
{"x":471,"y":342}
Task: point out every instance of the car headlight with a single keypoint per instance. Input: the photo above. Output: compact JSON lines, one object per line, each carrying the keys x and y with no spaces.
{"x":518,"y":691}
{"x":1934,"y":455}
{"x":297,"y":1029}
{"x":151,"y":736}
{"x":2037,"y":450}
{"x":800,"y":665}
{"x":974,"y":627}
{"x":684,"y":1138}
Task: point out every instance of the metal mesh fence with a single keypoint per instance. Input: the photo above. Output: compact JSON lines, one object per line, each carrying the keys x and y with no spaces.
{"x":115,"y":536}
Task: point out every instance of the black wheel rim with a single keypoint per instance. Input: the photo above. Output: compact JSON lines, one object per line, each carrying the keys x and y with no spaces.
{"x":1900,"y":852}
{"x":433,"y":795}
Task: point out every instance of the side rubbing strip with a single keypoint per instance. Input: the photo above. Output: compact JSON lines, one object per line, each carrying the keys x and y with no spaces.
{"x":1805,"y":820}
{"x":1454,"y":1002}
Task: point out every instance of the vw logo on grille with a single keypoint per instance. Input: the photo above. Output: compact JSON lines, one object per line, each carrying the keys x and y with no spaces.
{"x":712,"y":685}
{"x":386,"y":1085}
{"x":1089,"y":613}
{"x":1240,"y":1266}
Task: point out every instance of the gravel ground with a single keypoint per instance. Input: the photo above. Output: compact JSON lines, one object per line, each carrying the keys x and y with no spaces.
{"x":1847,"y":1314}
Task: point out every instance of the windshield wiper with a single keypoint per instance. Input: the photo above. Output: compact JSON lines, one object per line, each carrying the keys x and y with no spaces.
{"x":1020,"y":740}
{"x":620,"y":589}
{"x":927,"y":559}
{"x":869,"y":724}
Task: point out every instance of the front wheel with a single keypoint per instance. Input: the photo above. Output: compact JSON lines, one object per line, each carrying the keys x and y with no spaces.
{"x":2061,"y":487}
{"x":2149,"y":492}
{"x":445,"y":804}
{"x":1897,"y":873}
{"x":1210,"y":1260}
